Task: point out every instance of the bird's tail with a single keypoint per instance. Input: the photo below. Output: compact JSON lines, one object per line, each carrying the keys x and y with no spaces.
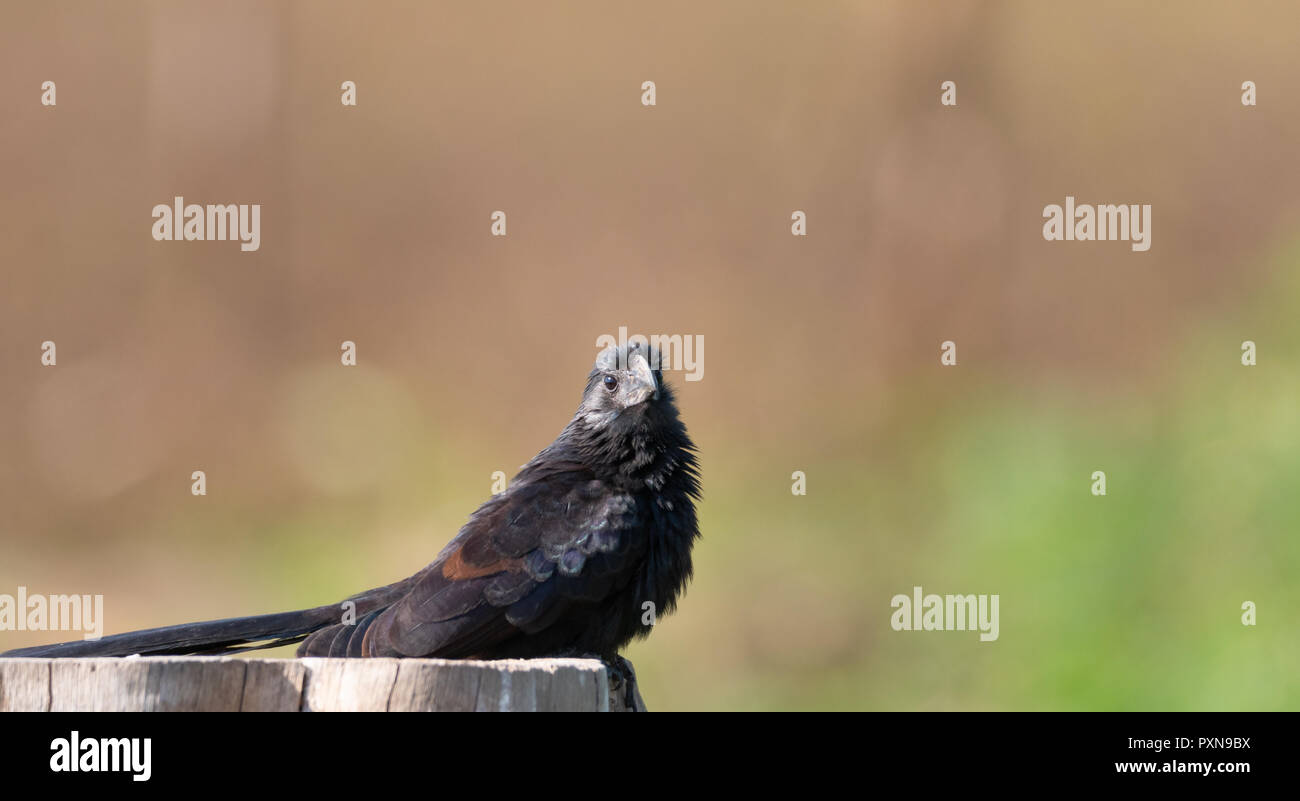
{"x":209,"y":637}
{"x":235,"y":634}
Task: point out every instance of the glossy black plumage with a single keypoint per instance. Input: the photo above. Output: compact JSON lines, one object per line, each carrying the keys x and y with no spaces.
{"x":563,"y":562}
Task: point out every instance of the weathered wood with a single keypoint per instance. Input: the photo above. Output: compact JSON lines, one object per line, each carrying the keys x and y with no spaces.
{"x":228,"y":684}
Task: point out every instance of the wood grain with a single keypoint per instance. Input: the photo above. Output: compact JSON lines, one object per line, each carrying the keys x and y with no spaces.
{"x":229,"y":684}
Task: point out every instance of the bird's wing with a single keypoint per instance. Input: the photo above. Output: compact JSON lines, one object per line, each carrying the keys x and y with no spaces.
{"x":522,"y":559}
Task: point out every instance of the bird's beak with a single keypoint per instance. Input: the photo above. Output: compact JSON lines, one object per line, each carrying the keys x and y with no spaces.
{"x":646,"y":386}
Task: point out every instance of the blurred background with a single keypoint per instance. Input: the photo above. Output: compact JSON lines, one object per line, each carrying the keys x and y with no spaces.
{"x":822,"y":352}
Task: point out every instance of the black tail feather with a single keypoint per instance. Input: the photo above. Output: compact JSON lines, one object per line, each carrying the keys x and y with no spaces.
{"x":231,"y":635}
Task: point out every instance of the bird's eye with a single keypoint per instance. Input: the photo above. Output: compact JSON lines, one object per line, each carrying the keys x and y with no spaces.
{"x":611,"y":383}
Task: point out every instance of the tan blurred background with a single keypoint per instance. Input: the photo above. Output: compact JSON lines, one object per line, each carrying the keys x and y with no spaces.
{"x":924,"y":225}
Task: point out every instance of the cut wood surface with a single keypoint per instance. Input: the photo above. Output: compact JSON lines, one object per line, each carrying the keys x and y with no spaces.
{"x":229,"y":684}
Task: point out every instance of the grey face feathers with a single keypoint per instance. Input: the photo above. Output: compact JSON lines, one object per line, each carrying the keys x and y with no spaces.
{"x":621,"y":379}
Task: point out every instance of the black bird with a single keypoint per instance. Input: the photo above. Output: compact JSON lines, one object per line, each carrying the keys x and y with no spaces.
{"x":562,"y":563}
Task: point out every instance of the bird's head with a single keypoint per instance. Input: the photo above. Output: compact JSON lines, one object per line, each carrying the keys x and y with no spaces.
{"x":623,"y":379}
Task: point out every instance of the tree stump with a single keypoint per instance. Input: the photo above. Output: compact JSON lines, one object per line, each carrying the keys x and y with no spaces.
{"x":229,"y":684}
